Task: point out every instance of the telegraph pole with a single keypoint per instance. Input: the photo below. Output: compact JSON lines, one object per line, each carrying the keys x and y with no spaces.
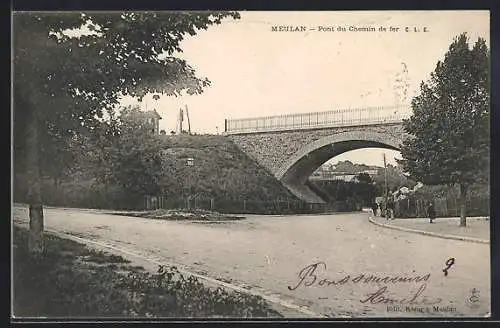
{"x":385,"y":183}
{"x":189,"y":122}
{"x":181,"y":119}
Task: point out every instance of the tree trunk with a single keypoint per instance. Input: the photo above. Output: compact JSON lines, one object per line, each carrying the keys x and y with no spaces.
{"x":35,"y":243}
{"x":463,"y":210}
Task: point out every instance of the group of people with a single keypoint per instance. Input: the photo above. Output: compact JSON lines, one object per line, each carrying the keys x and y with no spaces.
{"x":379,"y":210}
{"x":389,"y":210}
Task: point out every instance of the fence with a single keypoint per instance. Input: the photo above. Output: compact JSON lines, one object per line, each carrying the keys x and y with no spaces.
{"x":332,"y":118}
{"x":444,"y":207}
{"x":113,"y":199}
{"x":243,"y":206}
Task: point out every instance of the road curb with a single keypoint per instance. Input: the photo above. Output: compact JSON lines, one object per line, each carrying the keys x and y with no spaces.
{"x":428,"y":233}
{"x":270,"y":298}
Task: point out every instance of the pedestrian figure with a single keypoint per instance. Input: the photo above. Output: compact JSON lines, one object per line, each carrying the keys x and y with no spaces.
{"x":374,"y":208}
{"x":431,"y":212}
{"x":390,"y":209}
{"x":385,"y":211}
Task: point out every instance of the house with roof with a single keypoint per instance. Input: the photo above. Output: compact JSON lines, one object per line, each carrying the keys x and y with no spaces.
{"x":152,"y":117}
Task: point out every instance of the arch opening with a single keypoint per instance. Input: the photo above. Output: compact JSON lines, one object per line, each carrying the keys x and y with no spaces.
{"x":295,"y":172}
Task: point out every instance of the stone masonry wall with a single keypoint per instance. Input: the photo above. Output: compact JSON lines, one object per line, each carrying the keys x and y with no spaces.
{"x":271,"y":149}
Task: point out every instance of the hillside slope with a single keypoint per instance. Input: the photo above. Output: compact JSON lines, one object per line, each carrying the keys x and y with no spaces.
{"x":220,"y":171}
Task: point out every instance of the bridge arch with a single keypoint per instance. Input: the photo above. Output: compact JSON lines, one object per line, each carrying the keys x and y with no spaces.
{"x":295,"y":171}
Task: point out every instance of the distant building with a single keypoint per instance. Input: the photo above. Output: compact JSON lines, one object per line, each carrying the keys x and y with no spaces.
{"x":323,"y":174}
{"x":371,"y":172}
{"x":152,"y":117}
{"x":331,"y":176}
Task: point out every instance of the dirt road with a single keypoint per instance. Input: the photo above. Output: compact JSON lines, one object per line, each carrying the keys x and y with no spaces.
{"x":276,"y":255}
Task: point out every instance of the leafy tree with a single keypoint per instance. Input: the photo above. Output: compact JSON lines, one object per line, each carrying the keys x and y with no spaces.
{"x":351,"y":193}
{"x":364,"y":178}
{"x":395,"y":179}
{"x":346,"y":167}
{"x":450,"y":121}
{"x":58,"y":153}
{"x":130,"y":156}
{"x":71,"y":80}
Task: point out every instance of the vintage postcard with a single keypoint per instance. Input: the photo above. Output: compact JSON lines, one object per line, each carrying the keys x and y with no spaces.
{"x":251,"y":164}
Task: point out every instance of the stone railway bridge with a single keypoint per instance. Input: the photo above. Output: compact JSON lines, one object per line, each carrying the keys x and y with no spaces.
{"x":292,"y":147}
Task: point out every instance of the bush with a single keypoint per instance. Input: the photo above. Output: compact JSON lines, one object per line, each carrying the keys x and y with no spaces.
{"x":416,"y":206}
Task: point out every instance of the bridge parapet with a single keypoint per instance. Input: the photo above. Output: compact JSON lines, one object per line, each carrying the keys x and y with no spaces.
{"x":317,"y":120}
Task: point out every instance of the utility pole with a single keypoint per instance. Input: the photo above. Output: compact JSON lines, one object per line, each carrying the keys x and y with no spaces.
{"x":189,"y":123}
{"x":385,"y":183}
{"x":181,"y":118}
{"x":190,"y":165}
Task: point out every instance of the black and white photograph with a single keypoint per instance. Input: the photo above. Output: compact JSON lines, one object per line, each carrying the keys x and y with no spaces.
{"x":250,"y":164}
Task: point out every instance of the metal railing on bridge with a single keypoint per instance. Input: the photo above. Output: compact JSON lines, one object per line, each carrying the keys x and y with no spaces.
{"x":316,"y":120}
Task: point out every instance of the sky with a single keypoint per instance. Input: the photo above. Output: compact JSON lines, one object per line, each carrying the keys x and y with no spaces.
{"x":255,"y":71}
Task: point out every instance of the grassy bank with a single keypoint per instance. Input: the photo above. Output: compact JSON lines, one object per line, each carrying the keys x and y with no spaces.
{"x":74,"y":281}
{"x":220,"y":171}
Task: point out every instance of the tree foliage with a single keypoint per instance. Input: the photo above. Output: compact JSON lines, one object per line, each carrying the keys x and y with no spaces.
{"x":129,"y":155}
{"x":65,"y":80}
{"x":395,"y":179}
{"x":364,"y":178}
{"x":450,"y":121}
{"x":358,"y":192}
{"x":73,"y":79}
